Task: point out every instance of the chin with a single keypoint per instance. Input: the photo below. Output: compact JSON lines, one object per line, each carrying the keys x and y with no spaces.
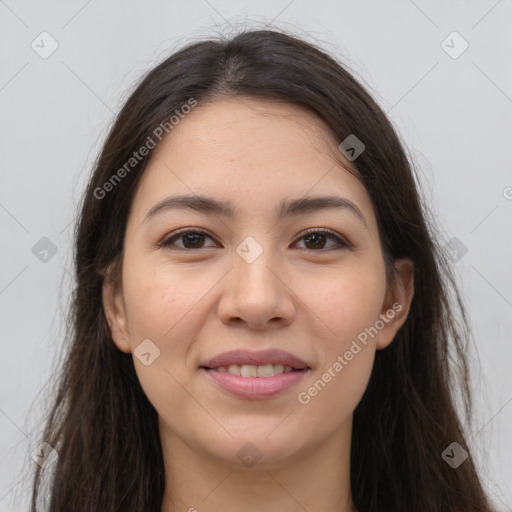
{"x":255,"y":447}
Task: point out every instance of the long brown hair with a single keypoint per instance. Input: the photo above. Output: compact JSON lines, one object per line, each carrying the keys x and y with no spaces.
{"x":101,"y":423}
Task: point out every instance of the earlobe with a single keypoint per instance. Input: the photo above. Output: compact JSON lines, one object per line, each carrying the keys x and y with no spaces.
{"x":397,"y":303}
{"x":115,"y":313}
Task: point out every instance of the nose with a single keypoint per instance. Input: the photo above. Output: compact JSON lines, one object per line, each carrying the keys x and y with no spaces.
{"x":257,"y":294}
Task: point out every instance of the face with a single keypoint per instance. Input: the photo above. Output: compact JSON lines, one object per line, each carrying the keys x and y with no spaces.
{"x":305,"y":290}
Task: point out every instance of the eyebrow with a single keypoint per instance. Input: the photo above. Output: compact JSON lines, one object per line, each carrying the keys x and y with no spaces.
{"x":286,"y":208}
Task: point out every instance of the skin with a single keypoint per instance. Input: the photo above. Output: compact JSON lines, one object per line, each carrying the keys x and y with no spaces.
{"x":197,"y":304}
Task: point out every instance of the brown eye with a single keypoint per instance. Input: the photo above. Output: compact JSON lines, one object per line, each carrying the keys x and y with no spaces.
{"x":190,"y":238}
{"x":316,"y":240}
{"x":193,"y":239}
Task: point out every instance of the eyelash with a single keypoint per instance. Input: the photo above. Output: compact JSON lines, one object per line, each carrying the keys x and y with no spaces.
{"x":166,"y":243}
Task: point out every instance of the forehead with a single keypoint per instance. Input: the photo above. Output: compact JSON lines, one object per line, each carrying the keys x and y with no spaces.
{"x":249,"y":152}
{"x":239,"y":127}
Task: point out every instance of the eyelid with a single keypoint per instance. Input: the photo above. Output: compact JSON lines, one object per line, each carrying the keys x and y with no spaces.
{"x":343,"y":243}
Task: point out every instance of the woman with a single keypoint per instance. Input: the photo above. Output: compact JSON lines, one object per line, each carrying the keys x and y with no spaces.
{"x":261,"y":318}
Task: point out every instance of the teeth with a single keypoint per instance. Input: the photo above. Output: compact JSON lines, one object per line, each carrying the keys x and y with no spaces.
{"x":251,"y":370}
{"x":279,"y":368}
{"x":234,"y":369}
{"x":266,"y":370}
{"x":248,"y":370}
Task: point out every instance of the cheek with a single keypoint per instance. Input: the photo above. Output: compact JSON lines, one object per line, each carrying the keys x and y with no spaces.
{"x":345,"y":303}
{"x":163,"y":306}
{"x":159,"y":302}
{"x":347,"y":308}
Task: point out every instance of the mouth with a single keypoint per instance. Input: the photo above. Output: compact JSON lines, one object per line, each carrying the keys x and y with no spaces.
{"x":252,"y":370}
{"x":255,"y":375}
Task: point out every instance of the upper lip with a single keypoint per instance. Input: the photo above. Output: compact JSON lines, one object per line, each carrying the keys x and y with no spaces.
{"x":271,"y":356}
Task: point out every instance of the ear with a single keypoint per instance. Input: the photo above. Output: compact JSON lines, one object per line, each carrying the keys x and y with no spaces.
{"x":115,"y":313}
{"x":397,"y":302}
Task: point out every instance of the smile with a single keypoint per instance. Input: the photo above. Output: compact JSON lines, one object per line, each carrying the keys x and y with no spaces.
{"x":251,"y":370}
{"x":255,"y":375}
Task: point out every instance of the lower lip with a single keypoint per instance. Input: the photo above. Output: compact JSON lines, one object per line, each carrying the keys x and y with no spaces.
{"x":255,"y":387}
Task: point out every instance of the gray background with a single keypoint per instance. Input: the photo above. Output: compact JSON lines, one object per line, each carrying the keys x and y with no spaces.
{"x":454,"y":114}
